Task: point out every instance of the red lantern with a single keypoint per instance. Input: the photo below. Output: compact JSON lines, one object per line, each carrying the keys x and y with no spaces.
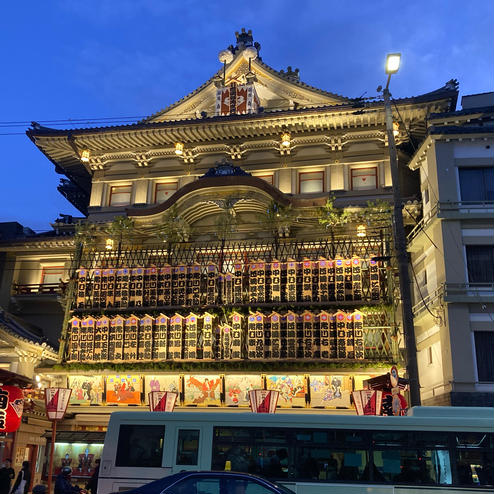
{"x":263,"y":401}
{"x":11,"y":406}
{"x":162,"y":401}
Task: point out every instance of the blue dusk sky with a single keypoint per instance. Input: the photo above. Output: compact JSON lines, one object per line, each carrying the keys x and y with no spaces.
{"x":74,"y":59}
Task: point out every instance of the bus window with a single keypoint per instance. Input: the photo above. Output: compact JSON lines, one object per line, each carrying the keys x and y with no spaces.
{"x":140,"y":446}
{"x":187,"y":447}
{"x":474,"y":461}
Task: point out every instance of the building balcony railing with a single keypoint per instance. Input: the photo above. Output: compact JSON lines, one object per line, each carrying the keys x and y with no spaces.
{"x":456,"y":292}
{"x":454,"y":210}
{"x":36,"y":289}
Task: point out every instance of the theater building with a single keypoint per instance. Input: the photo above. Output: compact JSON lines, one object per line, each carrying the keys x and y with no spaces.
{"x":237,"y":239}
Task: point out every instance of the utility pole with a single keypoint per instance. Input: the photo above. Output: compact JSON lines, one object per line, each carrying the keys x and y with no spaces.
{"x":402,"y":258}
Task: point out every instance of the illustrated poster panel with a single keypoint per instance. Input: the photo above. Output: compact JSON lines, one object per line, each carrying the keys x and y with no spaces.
{"x":237,"y":389}
{"x":330,"y":391}
{"x":202,"y":390}
{"x":291,"y":388}
{"x":86,"y":390}
{"x":123,"y":389}
{"x":161,"y":383}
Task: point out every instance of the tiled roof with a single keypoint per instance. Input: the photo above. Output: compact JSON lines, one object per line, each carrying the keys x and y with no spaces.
{"x":459,"y":113}
{"x":461,"y":129}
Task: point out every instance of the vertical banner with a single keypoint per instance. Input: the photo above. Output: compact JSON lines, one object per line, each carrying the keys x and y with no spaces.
{"x":306,"y":280}
{"x":96,"y":285}
{"x":74,"y":348}
{"x":122,"y":288}
{"x":339,"y":277}
{"x":236,"y":351}
{"x":263,"y":401}
{"x":130,"y":338}
{"x":162,"y":401}
{"x":357,"y":278}
{"x":56,"y":401}
{"x":308,"y":334}
{"x":325,"y":345}
{"x":190,"y":343}
{"x":145,"y":339}
{"x":160,"y":338}
{"x":194,"y":285}
{"x":82,"y":275}
{"x":275,"y":328}
{"x":237,"y":283}
{"x":109,"y":278}
{"x":207,"y":336}
{"x":87,"y":339}
{"x":374,"y":280}
{"x":175,"y":339}
{"x":291,"y":280}
{"x":341,"y":334}
{"x":358,"y":334}
{"x":212,"y":284}
{"x":291,"y":335}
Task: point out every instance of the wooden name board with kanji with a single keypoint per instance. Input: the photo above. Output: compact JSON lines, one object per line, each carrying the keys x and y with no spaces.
{"x":357,"y":278}
{"x":130,"y":338}
{"x":275,"y":329}
{"x":339,"y":275}
{"x":150,"y":292}
{"x":207,"y":336}
{"x":108,"y":287}
{"x":333,"y":337}
{"x":236,"y":347}
{"x":275,"y":291}
{"x":175,"y":338}
{"x":308,"y":335}
{"x":145,"y":339}
{"x":160,"y":338}
{"x":101,"y":332}
{"x":96,"y":282}
{"x":341,"y":334}
{"x":194,"y":285}
{"x":349,"y":342}
{"x":255,"y":336}
{"x":82,"y":287}
{"x":306,"y":280}
{"x":122,"y":287}
{"x":347,"y":268}
{"x":358,"y":334}
{"x":212,"y":284}
{"x":115,"y":339}
{"x":291,"y":335}
{"x":324,"y":341}
{"x":227,"y":281}
{"x":179,"y":285}
{"x":86,"y":339}
{"x":237,"y":283}
{"x":136,"y":287}
{"x":74,"y":348}
{"x":190,"y":337}
{"x":374,"y":279}
{"x":165,"y":285}
{"x":226,"y":341}
{"x":291,"y":280}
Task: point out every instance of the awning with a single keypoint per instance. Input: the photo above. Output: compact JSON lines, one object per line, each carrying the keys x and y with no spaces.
{"x":87,"y":437}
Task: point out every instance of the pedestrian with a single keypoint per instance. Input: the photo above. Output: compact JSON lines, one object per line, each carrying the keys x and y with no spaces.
{"x":63,"y":484}
{"x":92,"y":485}
{"x":39,"y":489}
{"x":6,"y":475}
{"x":23,"y":480}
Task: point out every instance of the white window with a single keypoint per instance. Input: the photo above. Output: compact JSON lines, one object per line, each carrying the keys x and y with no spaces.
{"x":120,"y":195}
{"x":51,"y":275}
{"x":310,"y":182}
{"x":364,"y":178}
{"x":164,"y":190}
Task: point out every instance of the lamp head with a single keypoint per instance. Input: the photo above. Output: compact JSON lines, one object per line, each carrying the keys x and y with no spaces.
{"x":393,"y":63}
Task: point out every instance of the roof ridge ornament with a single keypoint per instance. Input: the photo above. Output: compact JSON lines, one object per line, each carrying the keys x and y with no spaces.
{"x":224,"y":168}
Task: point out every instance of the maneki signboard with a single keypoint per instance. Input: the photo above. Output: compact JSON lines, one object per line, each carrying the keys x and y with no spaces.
{"x":11,"y":407}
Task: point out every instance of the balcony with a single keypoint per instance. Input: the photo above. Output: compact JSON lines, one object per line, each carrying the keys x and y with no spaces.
{"x":36,"y":289}
{"x":454,"y":211}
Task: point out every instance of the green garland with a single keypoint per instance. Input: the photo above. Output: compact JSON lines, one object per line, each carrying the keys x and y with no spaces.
{"x":237,"y":366}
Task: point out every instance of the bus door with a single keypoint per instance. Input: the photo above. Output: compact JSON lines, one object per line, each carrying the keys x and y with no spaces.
{"x":187,"y":455}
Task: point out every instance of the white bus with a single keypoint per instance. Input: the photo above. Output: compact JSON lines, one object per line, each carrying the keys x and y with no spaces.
{"x":448,"y":449}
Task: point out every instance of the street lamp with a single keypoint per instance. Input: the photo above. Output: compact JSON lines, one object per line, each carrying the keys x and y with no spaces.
{"x":56,"y":401}
{"x":392,"y":66}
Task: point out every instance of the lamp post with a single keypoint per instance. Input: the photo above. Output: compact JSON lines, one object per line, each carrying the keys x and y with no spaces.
{"x":392,"y":66}
{"x":56,"y":401}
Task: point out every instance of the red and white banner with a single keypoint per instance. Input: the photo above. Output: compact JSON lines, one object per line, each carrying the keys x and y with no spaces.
{"x":368,"y":402}
{"x":56,"y":401}
{"x":11,"y":407}
{"x":162,"y":401}
{"x":263,"y":401}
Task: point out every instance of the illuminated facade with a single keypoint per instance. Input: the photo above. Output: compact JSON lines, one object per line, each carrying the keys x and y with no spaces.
{"x":235,"y":240}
